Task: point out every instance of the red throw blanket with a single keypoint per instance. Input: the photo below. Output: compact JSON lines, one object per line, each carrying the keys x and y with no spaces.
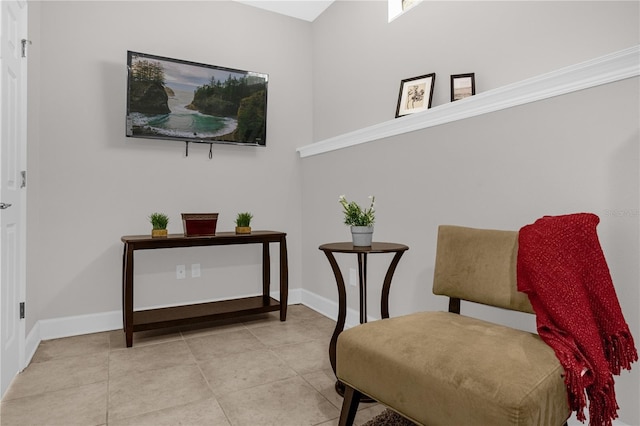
{"x":562,"y":269}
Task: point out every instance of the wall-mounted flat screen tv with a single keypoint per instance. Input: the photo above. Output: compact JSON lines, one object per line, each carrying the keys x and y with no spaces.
{"x":191,"y":102}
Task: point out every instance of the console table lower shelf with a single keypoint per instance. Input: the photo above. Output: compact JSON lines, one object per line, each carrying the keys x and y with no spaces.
{"x":202,"y":312}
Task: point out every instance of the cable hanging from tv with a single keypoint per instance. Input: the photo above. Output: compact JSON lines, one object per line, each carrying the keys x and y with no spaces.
{"x":186,"y":149}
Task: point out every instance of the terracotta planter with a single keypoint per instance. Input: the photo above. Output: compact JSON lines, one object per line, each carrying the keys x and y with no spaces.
{"x":243,"y":229}
{"x":158,"y":233}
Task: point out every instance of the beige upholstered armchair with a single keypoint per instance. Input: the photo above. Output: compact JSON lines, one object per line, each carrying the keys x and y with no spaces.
{"x":443,"y":368}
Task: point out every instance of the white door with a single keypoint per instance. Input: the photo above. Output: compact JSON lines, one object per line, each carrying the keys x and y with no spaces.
{"x":13,"y":84}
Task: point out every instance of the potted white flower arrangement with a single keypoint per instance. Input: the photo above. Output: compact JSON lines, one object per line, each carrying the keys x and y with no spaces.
{"x":360,"y":220}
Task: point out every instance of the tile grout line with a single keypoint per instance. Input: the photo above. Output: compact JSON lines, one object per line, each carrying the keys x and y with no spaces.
{"x":213,"y":395}
{"x":297,"y":373}
{"x":108,"y":380}
{"x":185,"y":335}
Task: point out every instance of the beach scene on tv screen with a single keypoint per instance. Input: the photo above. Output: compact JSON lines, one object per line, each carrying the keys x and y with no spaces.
{"x":177,"y":100}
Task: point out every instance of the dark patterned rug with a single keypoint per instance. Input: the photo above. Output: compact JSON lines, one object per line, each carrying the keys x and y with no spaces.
{"x":389,"y":418}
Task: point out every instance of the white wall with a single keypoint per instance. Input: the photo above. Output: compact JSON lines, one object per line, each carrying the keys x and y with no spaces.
{"x":91,"y":185}
{"x":578,"y":152}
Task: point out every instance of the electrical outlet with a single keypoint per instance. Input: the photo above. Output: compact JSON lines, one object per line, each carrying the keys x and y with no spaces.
{"x":181,"y":272}
{"x":195,"y":270}
{"x":353,"y":277}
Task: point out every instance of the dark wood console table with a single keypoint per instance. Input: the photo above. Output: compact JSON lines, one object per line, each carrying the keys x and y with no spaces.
{"x":361,"y":252}
{"x":200,"y":312}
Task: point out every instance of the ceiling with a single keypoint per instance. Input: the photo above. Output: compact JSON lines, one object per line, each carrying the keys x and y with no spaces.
{"x":307,"y":10}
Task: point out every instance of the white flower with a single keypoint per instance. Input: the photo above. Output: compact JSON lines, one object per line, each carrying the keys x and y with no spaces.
{"x":356,"y":215}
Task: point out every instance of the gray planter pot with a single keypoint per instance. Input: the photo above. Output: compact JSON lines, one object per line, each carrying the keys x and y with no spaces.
{"x":362,"y":235}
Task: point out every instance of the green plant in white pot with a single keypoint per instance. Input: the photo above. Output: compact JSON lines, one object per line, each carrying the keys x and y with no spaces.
{"x":360,"y":220}
{"x":159,"y":222}
{"x":243,"y":223}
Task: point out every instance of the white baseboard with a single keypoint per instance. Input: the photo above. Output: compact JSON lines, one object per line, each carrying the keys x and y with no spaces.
{"x":329,"y":309}
{"x":69,"y":326}
{"x":31,"y":344}
{"x":56,"y":328}
{"x":81,"y":324}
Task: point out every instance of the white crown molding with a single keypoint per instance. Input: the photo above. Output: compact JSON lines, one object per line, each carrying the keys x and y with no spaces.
{"x":605,"y":69}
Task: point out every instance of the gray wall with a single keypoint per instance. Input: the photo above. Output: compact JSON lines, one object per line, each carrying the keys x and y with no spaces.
{"x":574,"y":153}
{"x":90,"y":184}
{"x":359,"y":58}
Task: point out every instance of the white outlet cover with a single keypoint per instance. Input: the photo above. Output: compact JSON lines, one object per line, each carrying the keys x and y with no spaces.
{"x":353,"y":277}
{"x":195,"y":270}
{"x":181,"y":272}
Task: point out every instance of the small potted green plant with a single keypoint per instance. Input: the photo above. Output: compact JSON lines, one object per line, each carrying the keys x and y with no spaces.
{"x":361,"y":220}
{"x":243,"y":223}
{"x":159,"y":222}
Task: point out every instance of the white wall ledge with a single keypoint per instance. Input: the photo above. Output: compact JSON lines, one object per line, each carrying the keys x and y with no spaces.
{"x":605,"y":69}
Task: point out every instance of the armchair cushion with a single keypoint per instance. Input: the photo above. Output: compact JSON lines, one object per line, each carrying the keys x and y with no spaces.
{"x":495,"y":376}
{"x":479,"y":265}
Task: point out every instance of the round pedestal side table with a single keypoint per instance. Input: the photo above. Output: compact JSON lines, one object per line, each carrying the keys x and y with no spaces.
{"x":362,"y":253}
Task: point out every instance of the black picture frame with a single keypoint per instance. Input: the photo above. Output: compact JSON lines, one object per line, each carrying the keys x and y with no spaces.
{"x":416,"y":94}
{"x":462,"y":86}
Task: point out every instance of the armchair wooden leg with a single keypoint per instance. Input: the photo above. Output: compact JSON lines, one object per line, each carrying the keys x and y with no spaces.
{"x":349,"y":406}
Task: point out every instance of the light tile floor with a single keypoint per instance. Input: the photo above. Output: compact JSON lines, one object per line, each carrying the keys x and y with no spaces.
{"x":252,"y":371}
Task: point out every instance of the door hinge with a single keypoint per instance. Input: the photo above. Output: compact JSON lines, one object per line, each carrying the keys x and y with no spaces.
{"x":23,"y":175}
{"x":21,"y":310}
{"x":24,"y":46}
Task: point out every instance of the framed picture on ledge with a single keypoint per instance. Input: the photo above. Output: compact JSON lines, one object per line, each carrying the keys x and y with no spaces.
{"x":462,"y":86}
{"x":415,"y":94}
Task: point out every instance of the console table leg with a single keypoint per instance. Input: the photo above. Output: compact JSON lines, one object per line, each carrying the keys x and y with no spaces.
{"x":127,"y":294}
{"x":124,"y":279}
{"x":284,"y":280}
{"x":266,"y":273}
